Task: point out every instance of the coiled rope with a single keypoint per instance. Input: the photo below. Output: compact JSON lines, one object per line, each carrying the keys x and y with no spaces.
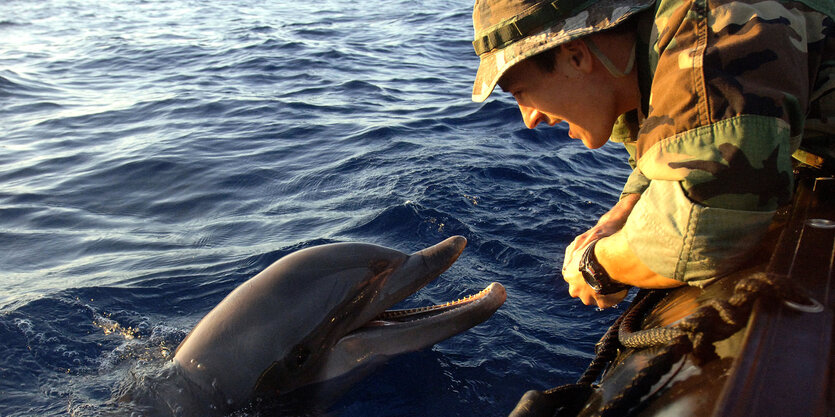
{"x":696,"y":334}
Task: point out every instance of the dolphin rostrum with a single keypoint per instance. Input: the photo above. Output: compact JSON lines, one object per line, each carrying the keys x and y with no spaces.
{"x":317,"y":314}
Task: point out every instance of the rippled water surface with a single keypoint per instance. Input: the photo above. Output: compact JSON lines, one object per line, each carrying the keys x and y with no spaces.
{"x":156,"y":154}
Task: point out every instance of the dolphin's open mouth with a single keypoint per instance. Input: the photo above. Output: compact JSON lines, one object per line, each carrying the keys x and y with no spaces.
{"x":385,"y":333}
{"x":490,"y":295}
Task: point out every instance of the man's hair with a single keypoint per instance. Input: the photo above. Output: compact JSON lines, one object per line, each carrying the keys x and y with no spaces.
{"x":547,"y":59}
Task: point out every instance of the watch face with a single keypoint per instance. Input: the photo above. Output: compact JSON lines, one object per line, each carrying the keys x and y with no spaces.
{"x":599,"y":280}
{"x":589,"y":277}
{"x":595,"y":275}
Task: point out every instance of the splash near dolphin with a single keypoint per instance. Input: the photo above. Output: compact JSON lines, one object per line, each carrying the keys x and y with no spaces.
{"x":315,"y":316}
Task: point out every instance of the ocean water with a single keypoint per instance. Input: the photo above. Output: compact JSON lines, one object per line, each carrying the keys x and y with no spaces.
{"x":156,"y":154}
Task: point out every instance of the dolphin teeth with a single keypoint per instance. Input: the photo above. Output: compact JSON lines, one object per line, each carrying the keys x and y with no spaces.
{"x":400,"y":314}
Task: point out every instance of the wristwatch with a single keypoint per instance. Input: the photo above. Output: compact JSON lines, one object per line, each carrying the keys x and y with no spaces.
{"x":596,"y":276}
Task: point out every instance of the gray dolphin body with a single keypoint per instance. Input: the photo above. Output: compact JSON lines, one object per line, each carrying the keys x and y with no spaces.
{"x":318,"y":314}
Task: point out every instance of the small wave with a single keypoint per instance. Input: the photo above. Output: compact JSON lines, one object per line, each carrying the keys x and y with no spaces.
{"x":497,"y":113}
{"x":13,"y":84}
{"x":37,"y":107}
{"x":331,"y":54}
{"x":261,"y":29}
{"x":273,"y":46}
{"x":317,"y":33}
{"x":506,"y":174}
{"x":412,"y":220}
{"x":375,"y":134}
{"x":358,"y":86}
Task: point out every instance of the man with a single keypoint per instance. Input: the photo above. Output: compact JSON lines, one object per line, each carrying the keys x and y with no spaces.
{"x":710,"y":98}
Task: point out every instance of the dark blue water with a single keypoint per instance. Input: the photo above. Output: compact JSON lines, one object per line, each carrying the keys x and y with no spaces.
{"x":156,"y":154}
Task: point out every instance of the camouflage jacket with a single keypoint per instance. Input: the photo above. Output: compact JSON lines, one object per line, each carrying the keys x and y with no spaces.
{"x":729,"y":89}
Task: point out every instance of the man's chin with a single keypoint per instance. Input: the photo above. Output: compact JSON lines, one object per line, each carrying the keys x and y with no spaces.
{"x":591,"y":142}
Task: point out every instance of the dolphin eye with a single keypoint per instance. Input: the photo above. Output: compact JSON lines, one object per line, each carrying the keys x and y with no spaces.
{"x":300,"y":353}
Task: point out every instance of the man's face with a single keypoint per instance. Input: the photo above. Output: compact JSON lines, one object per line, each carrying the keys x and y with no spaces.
{"x":566,"y":94}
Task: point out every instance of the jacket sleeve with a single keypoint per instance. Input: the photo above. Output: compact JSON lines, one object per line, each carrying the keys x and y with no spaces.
{"x":730,"y":89}
{"x":623,"y":133}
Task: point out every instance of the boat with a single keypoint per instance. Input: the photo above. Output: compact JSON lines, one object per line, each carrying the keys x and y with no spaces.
{"x":758,"y":342}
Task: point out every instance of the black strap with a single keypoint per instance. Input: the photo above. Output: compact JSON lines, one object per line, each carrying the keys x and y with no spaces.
{"x":518,"y":28}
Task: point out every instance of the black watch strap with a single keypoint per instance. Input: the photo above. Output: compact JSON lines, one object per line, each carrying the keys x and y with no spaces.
{"x":596,"y":276}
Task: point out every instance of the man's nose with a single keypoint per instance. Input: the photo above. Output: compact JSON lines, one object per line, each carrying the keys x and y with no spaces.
{"x":532,"y":117}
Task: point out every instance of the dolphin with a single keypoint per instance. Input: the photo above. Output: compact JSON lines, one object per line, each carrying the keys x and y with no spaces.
{"x":317,"y":315}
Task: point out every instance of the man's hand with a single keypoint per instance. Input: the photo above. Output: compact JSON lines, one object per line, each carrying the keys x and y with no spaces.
{"x":609,"y":223}
{"x":577,"y":286}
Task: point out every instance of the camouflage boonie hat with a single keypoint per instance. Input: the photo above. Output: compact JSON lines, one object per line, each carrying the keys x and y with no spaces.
{"x":508,"y":31}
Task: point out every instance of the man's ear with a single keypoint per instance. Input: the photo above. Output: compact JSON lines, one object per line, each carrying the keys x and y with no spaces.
{"x":578,"y":56}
